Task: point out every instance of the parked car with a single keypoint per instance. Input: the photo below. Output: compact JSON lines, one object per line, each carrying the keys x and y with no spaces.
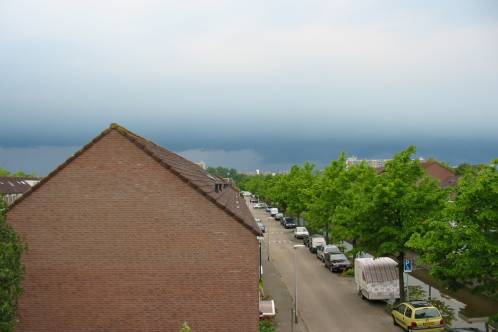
{"x":307,"y":239}
{"x":464,"y":329}
{"x":322,"y":250}
{"x":254,"y":200}
{"x":418,"y":316}
{"x":376,"y":278}
{"x":315,"y":242}
{"x":262,"y":226}
{"x":273,"y":212}
{"x":300,"y":232}
{"x":268,"y":208}
{"x":245,"y":193}
{"x":279,"y":216}
{"x":259,"y":205}
{"x":337,"y":262}
{"x":289,"y":222}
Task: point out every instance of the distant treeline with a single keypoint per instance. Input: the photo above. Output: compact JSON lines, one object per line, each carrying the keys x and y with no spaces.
{"x":5,"y":172}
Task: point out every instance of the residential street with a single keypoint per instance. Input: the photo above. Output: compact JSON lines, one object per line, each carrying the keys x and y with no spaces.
{"x":326,"y":301}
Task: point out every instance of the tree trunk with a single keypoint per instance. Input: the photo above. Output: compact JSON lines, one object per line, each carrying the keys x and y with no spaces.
{"x":401,"y":259}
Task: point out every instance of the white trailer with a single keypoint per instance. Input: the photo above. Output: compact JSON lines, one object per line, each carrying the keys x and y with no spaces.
{"x":377,"y":278}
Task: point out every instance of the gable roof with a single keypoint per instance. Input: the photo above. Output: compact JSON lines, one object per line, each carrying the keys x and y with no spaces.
{"x":434,"y":169}
{"x":439,"y":172}
{"x":215,"y":189}
{"x":14,"y":185}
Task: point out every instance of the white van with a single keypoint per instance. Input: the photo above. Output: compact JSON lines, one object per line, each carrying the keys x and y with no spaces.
{"x":317,"y":241}
{"x":273,"y":212}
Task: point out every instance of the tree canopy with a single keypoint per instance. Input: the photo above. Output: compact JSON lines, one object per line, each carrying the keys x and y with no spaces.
{"x":4,"y":172}
{"x":462,"y":245}
{"x":399,"y":209}
{"x":11,"y":272}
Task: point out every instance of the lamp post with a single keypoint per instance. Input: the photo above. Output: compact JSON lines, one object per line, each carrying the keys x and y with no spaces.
{"x":296,"y":246}
{"x":260,"y":240}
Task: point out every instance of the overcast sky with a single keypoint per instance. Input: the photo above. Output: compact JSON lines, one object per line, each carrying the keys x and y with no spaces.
{"x":250,"y":84}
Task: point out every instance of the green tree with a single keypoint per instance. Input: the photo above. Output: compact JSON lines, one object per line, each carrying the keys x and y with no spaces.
{"x":4,"y":172}
{"x":298,"y":184}
{"x":403,"y":199}
{"x":11,"y":272}
{"x":462,"y":245}
{"x":354,"y":211}
{"x":327,"y":195}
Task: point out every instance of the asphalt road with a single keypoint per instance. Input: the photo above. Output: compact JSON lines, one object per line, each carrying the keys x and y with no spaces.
{"x":327,"y":302}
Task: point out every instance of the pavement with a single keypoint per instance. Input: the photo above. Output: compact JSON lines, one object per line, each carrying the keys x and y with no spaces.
{"x":326,"y":301}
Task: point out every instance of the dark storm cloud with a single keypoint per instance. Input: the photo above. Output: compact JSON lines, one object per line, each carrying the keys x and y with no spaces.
{"x":285,"y":81}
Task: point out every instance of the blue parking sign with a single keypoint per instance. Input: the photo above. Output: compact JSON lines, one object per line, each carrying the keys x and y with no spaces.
{"x":407,"y":265}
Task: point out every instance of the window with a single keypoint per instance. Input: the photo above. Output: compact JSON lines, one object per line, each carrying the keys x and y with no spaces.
{"x":408,"y":312}
{"x":427,"y":313}
{"x":401,"y":308}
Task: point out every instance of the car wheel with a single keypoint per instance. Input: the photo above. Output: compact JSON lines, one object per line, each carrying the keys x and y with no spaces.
{"x":331,"y":270}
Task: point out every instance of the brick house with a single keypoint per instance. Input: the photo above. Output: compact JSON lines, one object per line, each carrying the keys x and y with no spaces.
{"x":446,"y":177}
{"x":128,"y":236}
{"x":435,"y":170}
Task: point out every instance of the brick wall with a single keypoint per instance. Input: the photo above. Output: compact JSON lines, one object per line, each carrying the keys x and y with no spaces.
{"x":118,"y":243}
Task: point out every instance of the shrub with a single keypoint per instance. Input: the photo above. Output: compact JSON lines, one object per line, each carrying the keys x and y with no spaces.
{"x":348,"y":273}
{"x":493,"y":320}
{"x":11,"y":272}
{"x":266,"y":326}
{"x":185,"y":328}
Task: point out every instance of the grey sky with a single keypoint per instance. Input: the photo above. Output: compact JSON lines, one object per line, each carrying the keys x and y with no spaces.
{"x":260,"y":76}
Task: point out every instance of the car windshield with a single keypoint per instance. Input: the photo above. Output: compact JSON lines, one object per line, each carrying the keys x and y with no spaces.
{"x":333,"y":250}
{"x":426,"y":313}
{"x":338,"y":258}
{"x":301,"y":229}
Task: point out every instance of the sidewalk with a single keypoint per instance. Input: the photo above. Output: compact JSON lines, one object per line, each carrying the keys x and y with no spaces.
{"x":274,"y":287}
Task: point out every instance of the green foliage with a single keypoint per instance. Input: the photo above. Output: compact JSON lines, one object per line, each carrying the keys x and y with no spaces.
{"x":462,"y":245}
{"x":11,"y":272}
{"x":493,"y":320}
{"x":266,"y":326}
{"x":185,"y":328}
{"x":4,"y":172}
{"x":382,"y":212}
{"x":465,"y":168}
{"x":327,"y":195}
{"x":348,"y":273}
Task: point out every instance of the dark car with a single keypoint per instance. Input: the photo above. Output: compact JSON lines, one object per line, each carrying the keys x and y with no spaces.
{"x":289,"y":222}
{"x":283,"y":219}
{"x":337,"y":262}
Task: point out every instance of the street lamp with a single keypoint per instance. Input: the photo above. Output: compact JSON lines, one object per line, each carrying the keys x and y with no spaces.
{"x":296,"y":246}
{"x":260,"y":240}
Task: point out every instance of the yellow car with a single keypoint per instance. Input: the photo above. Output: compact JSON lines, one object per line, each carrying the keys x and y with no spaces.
{"x":418,"y":316}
